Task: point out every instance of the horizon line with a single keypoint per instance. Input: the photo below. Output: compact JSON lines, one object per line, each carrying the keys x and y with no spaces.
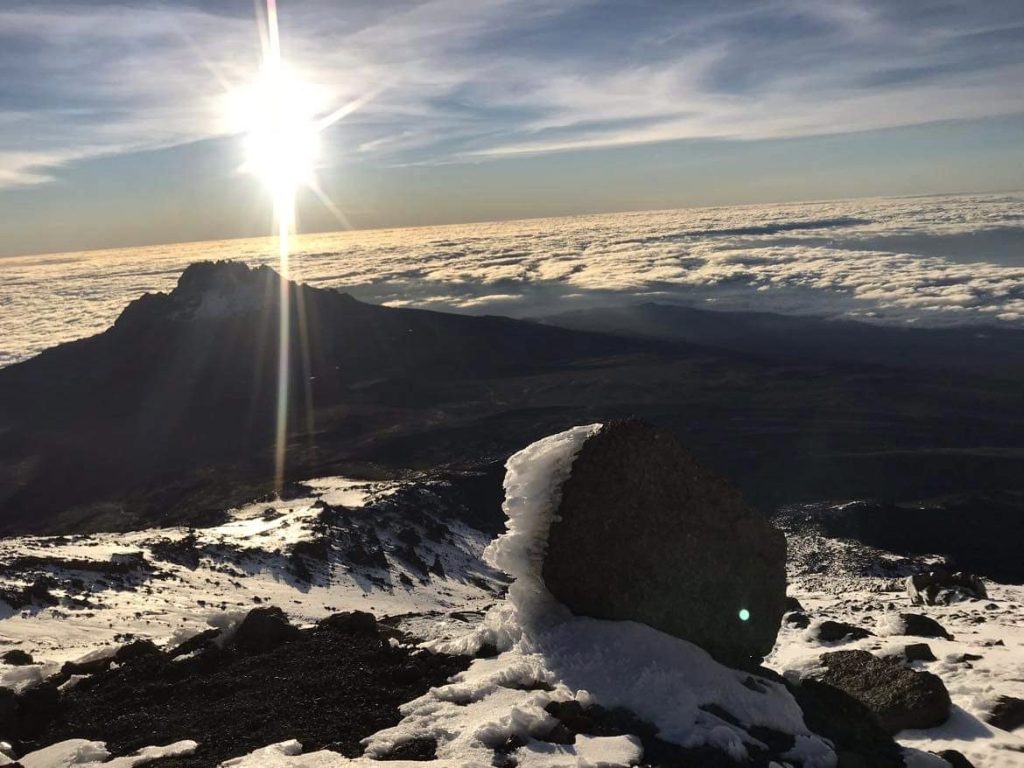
{"x":478,"y":222}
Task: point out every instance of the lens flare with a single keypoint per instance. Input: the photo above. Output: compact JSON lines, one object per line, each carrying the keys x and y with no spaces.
{"x":281,"y":116}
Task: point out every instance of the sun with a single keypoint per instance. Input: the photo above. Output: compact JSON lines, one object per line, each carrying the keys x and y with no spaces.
{"x":277,"y":117}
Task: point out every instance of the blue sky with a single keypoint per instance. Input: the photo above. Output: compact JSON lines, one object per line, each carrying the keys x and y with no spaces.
{"x":112,"y":125}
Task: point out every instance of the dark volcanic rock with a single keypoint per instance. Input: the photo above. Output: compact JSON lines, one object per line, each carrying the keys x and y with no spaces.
{"x":923,"y":626}
{"x":898,"y":697}
{"x":644,"y":533}
{"x":1008,"y":713}
{"x":834,"y":631}
{"x":940,"y":587}
{"x":918,"y":652}
{"x":8,"y":713}
{"x":195,"y":643}
{"x":423,"y":748}
{"x":349,"y":621}
{"x":263,"y":629}
{"x":17,"y":658}
{"x":329,"y":688}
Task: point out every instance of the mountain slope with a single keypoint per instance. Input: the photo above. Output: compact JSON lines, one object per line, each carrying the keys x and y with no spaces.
{"x":986,"y":350}
{"x":187,"y":380}
{"x":169,"y":416}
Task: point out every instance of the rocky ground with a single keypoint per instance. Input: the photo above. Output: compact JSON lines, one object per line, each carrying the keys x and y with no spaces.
{"x":975,"y":646}
{"x":194,"y":647}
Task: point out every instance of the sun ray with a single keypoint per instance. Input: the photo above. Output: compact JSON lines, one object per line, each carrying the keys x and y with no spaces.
{"x":281,"y":121}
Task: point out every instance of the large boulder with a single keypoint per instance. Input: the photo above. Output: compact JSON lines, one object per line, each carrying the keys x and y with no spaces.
{"x":941,"y":587}
{"x":897,"y":696}
{"x":644,"y":533}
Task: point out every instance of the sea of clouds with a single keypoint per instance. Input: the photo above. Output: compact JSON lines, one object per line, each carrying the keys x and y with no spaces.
{"x":927,"y":260}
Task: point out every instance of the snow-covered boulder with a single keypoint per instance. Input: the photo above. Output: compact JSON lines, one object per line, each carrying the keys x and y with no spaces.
{"x":558,"y":689}
{"x":645,"y":533}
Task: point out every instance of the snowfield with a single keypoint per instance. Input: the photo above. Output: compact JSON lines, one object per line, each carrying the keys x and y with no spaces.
{"x":443,"y":582}
{"x":181,"y":581}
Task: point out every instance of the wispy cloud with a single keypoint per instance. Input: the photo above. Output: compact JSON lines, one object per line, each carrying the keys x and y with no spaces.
{"x":455,"y":81}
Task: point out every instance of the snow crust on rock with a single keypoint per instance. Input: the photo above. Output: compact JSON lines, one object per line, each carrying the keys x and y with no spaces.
{"x":548,"y":654}
{"x":533,"y":483}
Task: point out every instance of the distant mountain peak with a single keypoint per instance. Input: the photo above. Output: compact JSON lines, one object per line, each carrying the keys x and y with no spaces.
{"x":209,"y":290}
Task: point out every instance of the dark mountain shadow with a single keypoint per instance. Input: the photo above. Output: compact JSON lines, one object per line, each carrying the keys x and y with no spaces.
{"x":978,"y":350}
{"x":169,"y":416}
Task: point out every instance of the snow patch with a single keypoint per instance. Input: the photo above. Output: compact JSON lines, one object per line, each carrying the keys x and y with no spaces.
{"x":82,"y":752}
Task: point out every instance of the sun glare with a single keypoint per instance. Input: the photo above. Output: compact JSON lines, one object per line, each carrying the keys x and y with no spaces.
{"x":277,"y":117}
{"x":280,"y":117}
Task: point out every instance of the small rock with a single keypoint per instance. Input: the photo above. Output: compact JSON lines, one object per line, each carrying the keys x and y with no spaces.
{"x":422,"y":748}
{"x":17,"y":658}
{"x":136,"y":650}
{"x":263,"y":629}
{"x":36,"y":707}
{"x":349,"y":622}
{"x":859,"y":740}
{"x":834,"y":631}
{"x":8,"y":712}
{"x":197,"y":642}
{"x":923,"y":626}
{"x":792,"y":604}
{"x":1007,"y":714}
{"x":918,"y":652}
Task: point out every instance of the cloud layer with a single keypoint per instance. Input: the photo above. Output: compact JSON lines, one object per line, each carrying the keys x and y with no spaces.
{"x":932,"y":260}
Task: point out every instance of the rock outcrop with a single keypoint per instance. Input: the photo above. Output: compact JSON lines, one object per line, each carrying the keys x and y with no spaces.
{"x":644,"y":533}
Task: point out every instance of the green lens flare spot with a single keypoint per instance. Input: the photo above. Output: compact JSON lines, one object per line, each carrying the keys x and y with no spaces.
{"x":744,"y":614}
